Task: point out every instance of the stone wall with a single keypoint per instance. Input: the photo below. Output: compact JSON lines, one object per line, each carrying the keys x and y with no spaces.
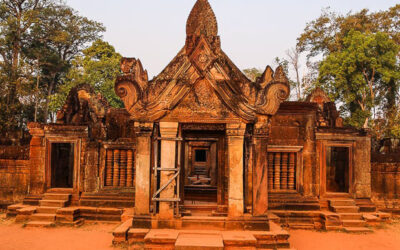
{"x":14,"y":152}
{"x":386,"y":181}
{"x":294,"y":125}
{"x":14,"y":180}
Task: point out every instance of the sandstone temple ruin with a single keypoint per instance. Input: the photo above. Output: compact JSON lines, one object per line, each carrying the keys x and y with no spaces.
{"x":200,"y":146}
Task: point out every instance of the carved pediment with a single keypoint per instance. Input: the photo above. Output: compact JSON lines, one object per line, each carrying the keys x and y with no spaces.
{"x":201,"y":81}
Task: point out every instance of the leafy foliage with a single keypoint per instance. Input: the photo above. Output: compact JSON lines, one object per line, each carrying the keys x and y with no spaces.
{"x":360,"y":62}
{"x":99,"y":67}
{"x":38,"y":41}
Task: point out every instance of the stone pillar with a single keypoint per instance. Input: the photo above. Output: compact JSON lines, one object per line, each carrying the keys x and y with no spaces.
{"x":168,"y":157}
{"x":235,"y":135}
{"x":260,"y":173}
{"x":37,"y":176}
{"x":116,"y":168}
{"x":142,"y":168}
{"x":109,"y":168}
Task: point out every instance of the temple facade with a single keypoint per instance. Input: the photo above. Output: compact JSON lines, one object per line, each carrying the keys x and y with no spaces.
{"x":201,"y":144}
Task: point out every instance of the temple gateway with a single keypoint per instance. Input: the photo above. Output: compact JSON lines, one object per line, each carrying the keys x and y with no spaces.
{"x":201,"y":146}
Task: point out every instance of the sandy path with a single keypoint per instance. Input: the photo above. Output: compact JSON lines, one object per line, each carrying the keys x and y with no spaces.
{"x":387,"y":238}
{"x":89,"y":236}
{"x":99,"y":237}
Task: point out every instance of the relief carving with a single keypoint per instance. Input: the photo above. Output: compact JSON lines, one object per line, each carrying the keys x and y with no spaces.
{"x":199,"y":78}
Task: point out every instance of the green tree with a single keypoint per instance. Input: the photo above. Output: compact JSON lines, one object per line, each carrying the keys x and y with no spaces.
{"x":360,"y":74}
{"x":16,"y":20}
{"x":98,"y":66}
{"x":252,"y":73}
{"x":38,"y":40}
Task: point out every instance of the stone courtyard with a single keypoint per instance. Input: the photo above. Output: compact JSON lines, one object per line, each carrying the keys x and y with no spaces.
{"x":99,"y":236}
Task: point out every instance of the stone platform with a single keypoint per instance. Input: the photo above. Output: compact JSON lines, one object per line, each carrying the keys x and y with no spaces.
{"x":137,"y":238}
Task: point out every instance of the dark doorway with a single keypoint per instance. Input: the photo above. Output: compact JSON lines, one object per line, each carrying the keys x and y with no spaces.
{"x":62,"y":165}
{"x":202,"y":158}
{"x":337,"y":169}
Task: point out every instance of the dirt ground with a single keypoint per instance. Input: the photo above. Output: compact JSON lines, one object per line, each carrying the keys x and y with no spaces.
{"x":98,"y":236}
{"x":89,"y":236}
{"x":385,"y":237}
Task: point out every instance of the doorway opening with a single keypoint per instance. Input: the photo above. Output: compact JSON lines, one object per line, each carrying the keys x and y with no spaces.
{"x":337,"y":169}
{"x":201,"y":188}
{"x":62,"y":165}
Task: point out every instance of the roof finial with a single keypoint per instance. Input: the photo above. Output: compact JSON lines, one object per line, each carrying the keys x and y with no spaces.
{"x":202,"y":20}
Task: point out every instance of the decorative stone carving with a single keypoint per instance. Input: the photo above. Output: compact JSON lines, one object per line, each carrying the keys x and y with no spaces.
{"x":327,"y":115}
{"x":84,"y":107}
{"x":200,"y":62}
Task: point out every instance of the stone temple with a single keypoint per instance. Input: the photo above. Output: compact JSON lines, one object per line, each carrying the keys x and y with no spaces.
{"x":200,"y":146}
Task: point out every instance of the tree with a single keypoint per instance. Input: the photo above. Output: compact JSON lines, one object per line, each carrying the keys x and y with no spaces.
{"x":16,"y":19}
{"x":61,"y":34}
{"x":360,"y":74}
{"x":38,"y":40}
{"x":327,"y":36}
{"x":98,"y":66}
{"x":252,"y":73}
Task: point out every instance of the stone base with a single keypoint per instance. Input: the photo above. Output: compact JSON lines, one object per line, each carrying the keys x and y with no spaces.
{"x":276,"y":238}
{"x":246,"y":222}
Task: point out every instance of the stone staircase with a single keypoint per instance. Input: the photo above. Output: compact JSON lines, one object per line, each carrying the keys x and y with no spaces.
{"x":350,"y":216}
{"x":52,"y":201}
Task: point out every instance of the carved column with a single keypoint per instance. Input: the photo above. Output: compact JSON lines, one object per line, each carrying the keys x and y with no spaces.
{"x":129,"y":169}
{"x":271,"y":157}
{"x":284,"y":173}
{"x":109,"y":168}
{"x":142,"y":168}
{"x":277,"y":170}
{"x":122,"y":174}
{"x":292,"y":168}
{"x":37,"y":179}
{"x":168,"y":157}
{"x":235,"y":136}
{"x":260,"y":176}
{"x":116,"y":168}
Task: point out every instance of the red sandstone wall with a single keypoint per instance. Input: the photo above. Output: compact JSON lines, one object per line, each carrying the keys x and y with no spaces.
{"x":14,"y":152}
{"x":14,"y":180}
{"x":386,"y":180}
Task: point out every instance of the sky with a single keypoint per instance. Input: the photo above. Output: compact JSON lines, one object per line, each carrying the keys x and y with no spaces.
{"x":253,"y":32}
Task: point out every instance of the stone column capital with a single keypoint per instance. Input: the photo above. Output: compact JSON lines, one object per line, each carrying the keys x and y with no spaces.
{"x":169,"y":129}
{"x":235,"y":129}
{"x":36,"y":129}
{"x":143,"y":129}
{"x":262,"y":127}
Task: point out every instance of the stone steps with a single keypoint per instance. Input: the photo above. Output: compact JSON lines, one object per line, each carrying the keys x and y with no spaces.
{"x":40,"y":224}
{"x":351,"y":219}
{"x":345,"y":209}
{"x":60,"y":190}
{"x":56,"y":196}
{"x":354,"y":223}
{"x":335,"y":203}
{"x":350,"y":216}
{"x":53,"y":203}
{"x":276,"y":238}
{"x":357,"y":230}
{"x":47,"y":210}
{"x":43,"y":217}
{"x":53,"y":200}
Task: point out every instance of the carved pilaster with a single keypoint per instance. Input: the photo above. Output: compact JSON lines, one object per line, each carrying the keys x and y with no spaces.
{"x":260,"y":173}
{"x":168,"y":160}
{"x":142,"y":168}
{"x":235,"y":135}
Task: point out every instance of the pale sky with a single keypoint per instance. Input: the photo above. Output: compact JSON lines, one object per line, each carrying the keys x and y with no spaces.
{"x":253,"y":32}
